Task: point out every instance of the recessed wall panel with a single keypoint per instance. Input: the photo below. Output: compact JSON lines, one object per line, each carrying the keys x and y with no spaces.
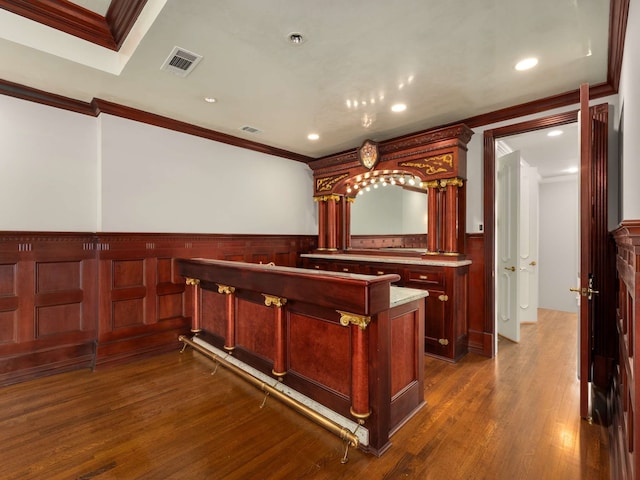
{"x":7,"y":279}
{"x":57,"y":319}
{"x":169,"y":306}
{"x":57,"y":276}
{"x":8,"y":322}
{"x":128,"y":273}
{"x":128,"y":313}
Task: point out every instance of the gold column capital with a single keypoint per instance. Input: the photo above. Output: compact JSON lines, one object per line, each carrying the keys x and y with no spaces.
{"x":347,"y":318}
{"x":431,"y":184}
{"x":456,"y":182}
{"x":225,"y":289}
{"x":192,"y":281}
{"x":273,"y":300}
{"x":350,"y":199}
{"x":326,"y":198}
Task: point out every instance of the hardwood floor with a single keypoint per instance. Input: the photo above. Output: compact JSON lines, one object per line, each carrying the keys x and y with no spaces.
{"x":167,"y":417}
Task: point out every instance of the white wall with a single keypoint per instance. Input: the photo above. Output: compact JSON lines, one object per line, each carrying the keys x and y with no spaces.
{"x":157,"y":180}
{"x":558,"y":243}
{"x":48,"y":170}
{"x":630,"y":105}
{"x":62,"y":171}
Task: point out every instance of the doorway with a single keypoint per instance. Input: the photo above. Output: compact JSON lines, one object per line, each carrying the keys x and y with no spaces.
{"x":489,"y":155}
{"x":537,"y":227}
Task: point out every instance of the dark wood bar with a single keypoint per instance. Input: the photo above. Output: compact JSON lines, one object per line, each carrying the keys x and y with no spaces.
{"x":350,"y":343}
{"x":446,"y":320}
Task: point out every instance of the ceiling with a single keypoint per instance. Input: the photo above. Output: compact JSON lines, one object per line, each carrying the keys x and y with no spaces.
{"x":447,"y":61}
{"x":553,"y":156}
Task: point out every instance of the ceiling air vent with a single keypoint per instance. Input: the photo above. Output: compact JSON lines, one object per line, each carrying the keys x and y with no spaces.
{"x":181,"y":62}
{"x":249,"y":129}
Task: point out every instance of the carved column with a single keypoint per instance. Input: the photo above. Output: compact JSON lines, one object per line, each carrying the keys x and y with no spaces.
{"x":332,"y":222}
{"x":195,"y":296}
{"x":279,"y":360}
{"x":322,"y":222}
{"x":230,"y":320}
{"x":432,"y":215}
{"x":347,"y":222}
{"x":359,"y":364}
{"x":451,"y":214}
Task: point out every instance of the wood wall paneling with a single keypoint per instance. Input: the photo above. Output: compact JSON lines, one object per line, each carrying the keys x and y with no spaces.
{"x":625,"y":385}
{"x":480,"y":339}
{"x":47,"y":304}
{"x":76,"y":300}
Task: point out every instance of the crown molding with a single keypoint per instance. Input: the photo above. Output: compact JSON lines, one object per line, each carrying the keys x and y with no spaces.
{"x":109,"y":32}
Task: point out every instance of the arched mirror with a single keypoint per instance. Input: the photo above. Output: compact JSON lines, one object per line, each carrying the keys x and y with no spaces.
{"x":387,"y":209}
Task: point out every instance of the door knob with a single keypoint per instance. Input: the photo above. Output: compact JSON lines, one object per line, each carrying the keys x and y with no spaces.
{"x":533,"y":264}
{"x":585,"y":292}
{"x":513,"y":269}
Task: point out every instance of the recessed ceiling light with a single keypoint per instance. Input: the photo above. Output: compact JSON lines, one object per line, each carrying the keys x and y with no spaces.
{"x":210,"y":100}
{"x":398,"y":107}
{"x":554,"y":133}
{"x":313,"y":136}
{"x":527,"y":63}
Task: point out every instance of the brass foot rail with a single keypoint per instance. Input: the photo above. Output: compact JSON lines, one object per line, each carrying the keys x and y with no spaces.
{"x":344,"y":433}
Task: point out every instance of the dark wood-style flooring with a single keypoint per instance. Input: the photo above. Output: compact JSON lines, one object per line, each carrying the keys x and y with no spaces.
{"x":167,"y":417}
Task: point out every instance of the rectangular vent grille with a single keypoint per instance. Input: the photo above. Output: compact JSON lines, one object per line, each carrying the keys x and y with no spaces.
{"x":181,"y":62}
{"x":249,"y":129}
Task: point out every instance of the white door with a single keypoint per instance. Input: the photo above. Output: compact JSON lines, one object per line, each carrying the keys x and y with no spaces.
{"x":528,"y":245}
{"x":508,"y":261}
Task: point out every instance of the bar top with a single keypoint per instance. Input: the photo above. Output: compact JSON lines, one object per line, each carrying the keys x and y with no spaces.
{"x":402,"y":295}
{"x":387,"y":259}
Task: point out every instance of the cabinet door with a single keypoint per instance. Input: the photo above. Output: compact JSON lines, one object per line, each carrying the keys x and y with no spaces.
{"x":438,"y":338}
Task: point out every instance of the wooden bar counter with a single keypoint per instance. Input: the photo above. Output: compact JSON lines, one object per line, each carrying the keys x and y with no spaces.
{"x":349,"y":346}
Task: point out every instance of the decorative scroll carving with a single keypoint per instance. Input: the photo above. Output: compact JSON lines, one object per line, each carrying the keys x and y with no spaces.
{"x":225,"y":289}
{"x":347,"y":318}
{"x":273,"y":300}
{"x":326,"y":184}
{"x":193,"y":281}
{"x":432,"y":165}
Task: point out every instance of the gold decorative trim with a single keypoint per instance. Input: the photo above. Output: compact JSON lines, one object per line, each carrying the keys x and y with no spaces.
{"x":347,"y":318}
{"x":351,"y":199}
{"x":432,"y":165}
{"x":359,"y":416}
{"x":456,"y":182}
{"x":444,"y":183}
{"x":193,"y":281}
{"x":273,"y":300}
{"x":327,"y":183}
{"x":326,"y":198}
{"x":278,"y":374}
{"x":225,"y":289}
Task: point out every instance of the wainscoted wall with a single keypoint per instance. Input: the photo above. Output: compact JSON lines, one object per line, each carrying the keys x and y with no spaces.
{"x":77,"y":300}
{"x":80,"y":300}
{"x":625,"y":398}
{"x":48,"y":298}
